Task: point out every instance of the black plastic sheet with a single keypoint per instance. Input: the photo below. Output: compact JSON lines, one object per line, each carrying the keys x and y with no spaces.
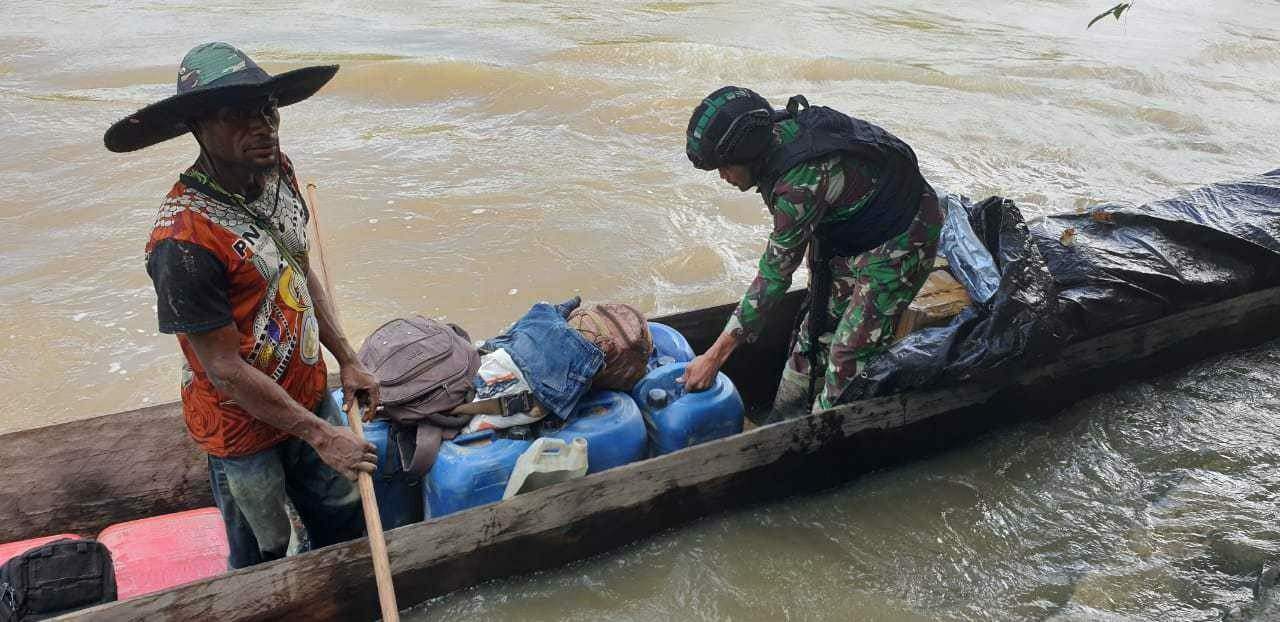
{"x":1069,"y":277}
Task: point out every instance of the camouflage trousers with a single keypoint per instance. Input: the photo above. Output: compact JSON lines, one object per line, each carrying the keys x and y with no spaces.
{"x":869,"y":293}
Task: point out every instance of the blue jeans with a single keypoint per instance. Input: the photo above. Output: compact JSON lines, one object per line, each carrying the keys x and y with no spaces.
{"x":251,"y":490}
{"x":557,"y":362}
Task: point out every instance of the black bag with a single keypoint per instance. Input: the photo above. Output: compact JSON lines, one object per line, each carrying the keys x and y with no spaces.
{"x":61,"y":576}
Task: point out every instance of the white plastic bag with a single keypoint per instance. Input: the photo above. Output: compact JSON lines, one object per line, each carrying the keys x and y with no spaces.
{"x":499,"y":376}
{"x":496,"y":370}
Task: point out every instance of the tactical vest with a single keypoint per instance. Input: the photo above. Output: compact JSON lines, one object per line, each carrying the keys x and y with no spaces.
{"x":824,"y":131}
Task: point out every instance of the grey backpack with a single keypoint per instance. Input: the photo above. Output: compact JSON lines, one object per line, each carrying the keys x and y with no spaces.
{"x":425,"y":369}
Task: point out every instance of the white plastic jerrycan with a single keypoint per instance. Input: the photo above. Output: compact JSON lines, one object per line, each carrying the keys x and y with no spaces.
{"x":548,"y":461}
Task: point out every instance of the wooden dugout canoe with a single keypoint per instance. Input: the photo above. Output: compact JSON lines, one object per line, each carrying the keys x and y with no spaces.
{"x":82,"y":476}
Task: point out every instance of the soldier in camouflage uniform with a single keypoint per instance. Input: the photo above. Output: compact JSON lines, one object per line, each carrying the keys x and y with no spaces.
{"x":847,"y":194}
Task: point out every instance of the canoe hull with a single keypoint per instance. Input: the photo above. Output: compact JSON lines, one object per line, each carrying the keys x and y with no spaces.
{"x":591,"y":515}
{"x":130,"y":465}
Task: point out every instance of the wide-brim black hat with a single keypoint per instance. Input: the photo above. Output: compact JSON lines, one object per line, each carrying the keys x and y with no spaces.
{"x":212,"y":75}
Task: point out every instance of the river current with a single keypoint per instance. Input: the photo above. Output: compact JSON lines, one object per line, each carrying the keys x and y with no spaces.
{"x":472,"y":158}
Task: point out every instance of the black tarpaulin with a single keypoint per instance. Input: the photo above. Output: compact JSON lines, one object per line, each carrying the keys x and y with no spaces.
{"x":1069,"y":277}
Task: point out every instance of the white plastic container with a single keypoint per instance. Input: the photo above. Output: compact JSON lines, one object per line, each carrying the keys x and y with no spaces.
{"x":547,"y":461}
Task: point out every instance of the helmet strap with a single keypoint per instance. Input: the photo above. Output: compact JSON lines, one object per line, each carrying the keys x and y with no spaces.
{"x":795,"y":104}
{"x":740,"y":128}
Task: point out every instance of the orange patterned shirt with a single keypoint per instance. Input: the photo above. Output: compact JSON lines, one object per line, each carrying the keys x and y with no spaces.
{"x":265,"y":294}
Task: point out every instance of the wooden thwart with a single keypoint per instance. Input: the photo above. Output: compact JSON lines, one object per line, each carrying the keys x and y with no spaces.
{"x":587,"y":516}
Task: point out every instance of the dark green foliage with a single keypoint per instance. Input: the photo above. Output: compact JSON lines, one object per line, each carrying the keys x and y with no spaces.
{"x":1116,"y":10}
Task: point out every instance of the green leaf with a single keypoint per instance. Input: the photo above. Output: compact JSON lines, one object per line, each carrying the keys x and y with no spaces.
{"x":1116,"y":10}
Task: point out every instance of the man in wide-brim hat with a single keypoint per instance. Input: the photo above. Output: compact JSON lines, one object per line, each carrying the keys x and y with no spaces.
{"x":228,"y":258}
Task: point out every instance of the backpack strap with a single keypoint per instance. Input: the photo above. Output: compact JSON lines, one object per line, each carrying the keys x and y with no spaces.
{"x":503,"y":405}
{"x":10,"y":605}
{"x":420,"y":445}
{"x":817,"y":302}
{"x":795,"y":104}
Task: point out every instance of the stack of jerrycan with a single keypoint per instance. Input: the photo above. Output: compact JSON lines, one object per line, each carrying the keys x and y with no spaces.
{"x":399,"y":500}
{"x":669,"y":346}
{"x":470,"y":470}
{"x":675,"y":418}
{"x":612,"y":425}
{"x":474,"y":469}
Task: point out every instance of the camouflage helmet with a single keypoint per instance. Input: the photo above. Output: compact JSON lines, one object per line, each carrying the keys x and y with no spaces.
{"x":733,"y":125}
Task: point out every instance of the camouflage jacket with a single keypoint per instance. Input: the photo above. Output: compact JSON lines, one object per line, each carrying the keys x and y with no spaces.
{"x":824,"y":190}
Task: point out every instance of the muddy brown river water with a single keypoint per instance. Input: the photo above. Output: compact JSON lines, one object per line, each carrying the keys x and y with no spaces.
{"x":475,"y":157}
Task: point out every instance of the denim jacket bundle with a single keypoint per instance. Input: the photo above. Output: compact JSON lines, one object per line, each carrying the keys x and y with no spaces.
{"x":558,"y":363}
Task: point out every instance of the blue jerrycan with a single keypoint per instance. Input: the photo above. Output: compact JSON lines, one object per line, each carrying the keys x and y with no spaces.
{"x":611,"y":423}
{"x":677,"y":419}
{"x":470,"y":470}
{"x":399,"y":500}
{"x":669,"y":346}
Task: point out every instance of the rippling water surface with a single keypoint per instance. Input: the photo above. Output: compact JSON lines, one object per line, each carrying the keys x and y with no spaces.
{"x":1155,"y":502}
{"x":475,"y":157}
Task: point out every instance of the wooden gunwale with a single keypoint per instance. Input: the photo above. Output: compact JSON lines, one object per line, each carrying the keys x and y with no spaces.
{"x":591,"y":515}
{"x":123,"y":466}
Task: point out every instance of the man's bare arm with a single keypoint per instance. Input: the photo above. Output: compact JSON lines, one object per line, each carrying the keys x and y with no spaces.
{"x":356,"y":380}
{"x":331,"y":334}
{"x":219,"y":353}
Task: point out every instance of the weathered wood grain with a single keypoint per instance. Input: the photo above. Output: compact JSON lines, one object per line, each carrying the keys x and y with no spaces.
{"x":82,"y":476}
{"x":583,"y":517}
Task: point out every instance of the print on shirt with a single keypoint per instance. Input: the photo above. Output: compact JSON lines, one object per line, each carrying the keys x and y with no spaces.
{"x":271,"y":304}
{"x":275,"y":342}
